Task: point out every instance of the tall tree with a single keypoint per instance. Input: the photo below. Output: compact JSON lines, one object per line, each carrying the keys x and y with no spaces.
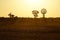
{"x":35,"y":13}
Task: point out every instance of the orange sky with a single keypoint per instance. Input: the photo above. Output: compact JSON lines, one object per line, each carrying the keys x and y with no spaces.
{"x":23,"y":8}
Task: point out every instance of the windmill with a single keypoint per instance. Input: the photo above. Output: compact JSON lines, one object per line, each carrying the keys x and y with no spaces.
{"x":43,"y":11}
{"x":35,"y":13}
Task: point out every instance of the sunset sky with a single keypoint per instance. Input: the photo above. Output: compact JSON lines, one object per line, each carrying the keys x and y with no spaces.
{"x":23,"y":8}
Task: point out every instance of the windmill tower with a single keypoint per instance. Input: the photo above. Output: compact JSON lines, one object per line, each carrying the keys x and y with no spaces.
{"x":43,"y":11}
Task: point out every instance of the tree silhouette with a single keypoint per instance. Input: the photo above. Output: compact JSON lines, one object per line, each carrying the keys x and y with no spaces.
{"x":11,"y":15}
{"x":35,"y":13}
{"x":43,"y":11}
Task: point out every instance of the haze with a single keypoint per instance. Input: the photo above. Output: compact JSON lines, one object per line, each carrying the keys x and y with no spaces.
{"x":23,"y":8}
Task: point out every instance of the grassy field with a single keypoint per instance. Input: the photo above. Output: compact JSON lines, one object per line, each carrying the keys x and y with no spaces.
{"x":29,"y":29}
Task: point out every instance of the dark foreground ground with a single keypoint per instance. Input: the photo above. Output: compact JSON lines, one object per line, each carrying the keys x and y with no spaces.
{"x":29,"y":35}
{"x":29,"y":29}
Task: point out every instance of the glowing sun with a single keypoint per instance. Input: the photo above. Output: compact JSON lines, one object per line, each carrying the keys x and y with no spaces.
{"x":36,"y":1}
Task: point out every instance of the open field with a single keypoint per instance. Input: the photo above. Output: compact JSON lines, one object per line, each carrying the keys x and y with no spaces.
{"x":29,"y":29}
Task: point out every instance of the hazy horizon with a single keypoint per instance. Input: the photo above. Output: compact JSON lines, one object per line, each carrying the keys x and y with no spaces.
{"x":23,"y":8}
